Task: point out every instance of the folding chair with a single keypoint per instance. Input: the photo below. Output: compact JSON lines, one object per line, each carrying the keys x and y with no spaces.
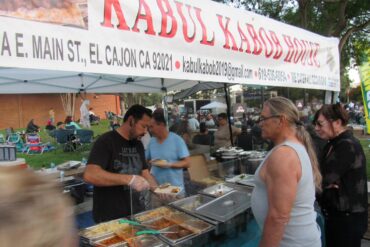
{"x":84,"y":137}
{"x":65,"y":139}
{"x":33,"y":144}
{"x":16,"y":140}
{"x":2,"y":139}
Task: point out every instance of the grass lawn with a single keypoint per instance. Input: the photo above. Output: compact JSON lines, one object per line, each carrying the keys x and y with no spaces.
{"x":58,"y":156}
{"x":365,"y":142}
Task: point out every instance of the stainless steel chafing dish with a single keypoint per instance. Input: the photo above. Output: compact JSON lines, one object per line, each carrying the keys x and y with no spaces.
{"x":114,"y":234}
{"x":187,"y":229}
{"x":216,"y":190}
{"x":189,"y":204}
{"x":98,"y":232}
{"x":146,"y":241}
{"x":111,"y":241}
{"x":152,"y":214}
{"x":226,"y":207}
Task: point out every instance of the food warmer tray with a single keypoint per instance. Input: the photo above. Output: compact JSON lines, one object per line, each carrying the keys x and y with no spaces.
{"x":198,"y":231}
{"x":242,"y":179}
{"x":189,"y":204}
{"x":216,"y":190}
{"x":98,"y":232}
{"x":226,"y":207}
{"x":220,"y":227}
{"x":97,"y":235}
{"x":240,"y":187}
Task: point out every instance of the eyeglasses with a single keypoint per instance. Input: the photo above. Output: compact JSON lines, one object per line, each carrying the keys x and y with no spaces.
{"x":320,"y":124}
{"x":261,"y":119}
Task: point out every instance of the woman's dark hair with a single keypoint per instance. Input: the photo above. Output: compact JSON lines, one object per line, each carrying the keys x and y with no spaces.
{"x":159,"y":118}
{"x":332,"y":112}
{"x":137,"y":112}
{"x":68,"y":119}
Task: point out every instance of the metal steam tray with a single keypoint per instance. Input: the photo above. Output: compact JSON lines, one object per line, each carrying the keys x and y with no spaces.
{"x":216,"y":190}
{"x":99,"y":232}
{"x":189,"y":204}
{"x":191,"y":230}
{"x":226,"y":207}
{"x":146,"y":241}
{"x":243,"y":179}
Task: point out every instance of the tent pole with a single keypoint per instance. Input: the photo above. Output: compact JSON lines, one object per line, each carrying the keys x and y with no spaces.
{"x":164,"y":102}
{"x":228,"y":113}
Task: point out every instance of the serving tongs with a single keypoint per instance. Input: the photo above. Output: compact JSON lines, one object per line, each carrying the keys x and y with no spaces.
{"x":134,"y":223}
{"x":153,"y":232}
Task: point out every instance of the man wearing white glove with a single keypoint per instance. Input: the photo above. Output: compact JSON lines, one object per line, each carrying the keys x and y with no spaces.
{"x":170,"y":151}
{"x":116,"y":164}
{"x":138,"y":183}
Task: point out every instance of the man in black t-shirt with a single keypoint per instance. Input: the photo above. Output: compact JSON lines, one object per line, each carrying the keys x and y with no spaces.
{"x":116,"y":163}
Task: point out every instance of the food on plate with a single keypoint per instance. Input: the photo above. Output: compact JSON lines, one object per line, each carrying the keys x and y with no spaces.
{"x":170,"y":189}
{"x":165,"y":185}
{"x":160,"y":162}
{"x":175,"y":190}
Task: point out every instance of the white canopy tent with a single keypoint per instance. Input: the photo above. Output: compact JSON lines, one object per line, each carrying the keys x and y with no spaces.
{"x":156,"y":46}
{"x":214,"y":105}
{"x":14,"y":81}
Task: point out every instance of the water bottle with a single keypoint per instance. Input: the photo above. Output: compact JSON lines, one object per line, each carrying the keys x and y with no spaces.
{"x":52,"y":166}
{"x":61,"y":175}
{"x":83,"y":161}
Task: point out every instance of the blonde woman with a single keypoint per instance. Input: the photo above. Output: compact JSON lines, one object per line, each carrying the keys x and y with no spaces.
{"x":286,"y":180}
{"x":34,"y":211}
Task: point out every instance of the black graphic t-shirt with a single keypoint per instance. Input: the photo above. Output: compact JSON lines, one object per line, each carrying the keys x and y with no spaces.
{"x":117,"y":155}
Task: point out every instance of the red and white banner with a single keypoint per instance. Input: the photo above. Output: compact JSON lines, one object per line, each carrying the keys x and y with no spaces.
{"x":180,"y":39}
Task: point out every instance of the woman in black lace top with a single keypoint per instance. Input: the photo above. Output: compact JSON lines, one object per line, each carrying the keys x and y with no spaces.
{"x":343,"y":166}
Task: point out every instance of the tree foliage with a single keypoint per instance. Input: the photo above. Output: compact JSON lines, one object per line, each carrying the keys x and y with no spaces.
{"x":348,"y":20}
{"x":146,"y":99}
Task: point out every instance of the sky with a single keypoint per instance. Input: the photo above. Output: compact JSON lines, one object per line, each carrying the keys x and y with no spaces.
{"x":354,"y":76}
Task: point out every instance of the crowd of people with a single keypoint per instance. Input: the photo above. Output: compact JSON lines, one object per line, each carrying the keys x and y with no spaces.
{"x":293,"y":176}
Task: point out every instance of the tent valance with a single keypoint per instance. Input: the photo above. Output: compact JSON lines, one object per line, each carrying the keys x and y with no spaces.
{"x":112,"y":40}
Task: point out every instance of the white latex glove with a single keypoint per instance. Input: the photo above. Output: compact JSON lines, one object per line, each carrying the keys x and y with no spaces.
{"x":138,"y":183}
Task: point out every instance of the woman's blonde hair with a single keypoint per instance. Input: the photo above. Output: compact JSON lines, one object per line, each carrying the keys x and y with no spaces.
{"x":33,"y":211}
{"x":284,"y":106}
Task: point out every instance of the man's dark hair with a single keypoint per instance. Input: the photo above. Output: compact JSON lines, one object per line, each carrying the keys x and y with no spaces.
{"x":59,"y":123}
{"x":159,"y":118}
{"x":202,"y":127}
{"x":222,"y":115}
{"x":137,"y":112}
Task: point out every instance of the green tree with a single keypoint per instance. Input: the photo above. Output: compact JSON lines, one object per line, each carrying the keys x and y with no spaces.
{"x":146,"y":99}
{"x":348,"y":20}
